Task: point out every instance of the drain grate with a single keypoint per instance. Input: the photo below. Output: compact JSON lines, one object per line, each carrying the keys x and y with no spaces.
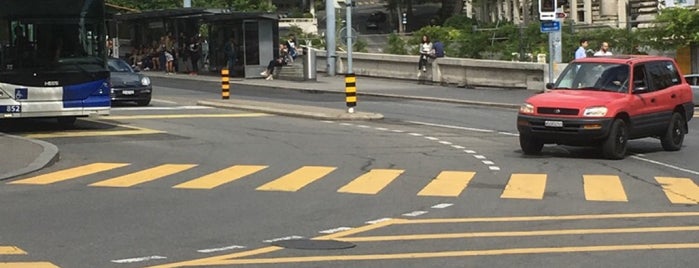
{"x":313,"y":244}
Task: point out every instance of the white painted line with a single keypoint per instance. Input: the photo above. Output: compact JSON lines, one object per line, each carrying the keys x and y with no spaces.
{"x":345,"y":124}
{"x":416,"y":134}
{"x":161,"y":108}
{"x":379,"y":220}
{"x":443,"y":205}
{"x":415,"y":213}
{"x":210,"y":250}
{"x":363,"y":126}
{"x":381,"y":128}
{"x":431,"y":138}
{"x":326,"y":121}
{"x":509,"y":134}
{"x":488,"y":162}
{"x":164,"y":101}
{"x":458,"y":147}
{"x":479,"y":156}
{"x":665,"y":165}
{"x":398,"y":131}
{"x":336,"y":230}
{"x":283,"y":239}
{"x":469,"y":151}
{"x":445,"y":142}
{"x":494,"y":168}
{"x":452,"y":127}
{"x":139,"y":259}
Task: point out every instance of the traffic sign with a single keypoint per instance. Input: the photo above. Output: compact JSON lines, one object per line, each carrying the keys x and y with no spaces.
{"x":550,"y":26}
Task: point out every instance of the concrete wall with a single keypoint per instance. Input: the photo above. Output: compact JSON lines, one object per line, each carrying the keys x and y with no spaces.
{"x":456,"y":71}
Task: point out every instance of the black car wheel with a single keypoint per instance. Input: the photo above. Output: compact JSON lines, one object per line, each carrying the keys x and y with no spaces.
{"x":614,"y":146}
{"x":530,"y":145}
{"x":674,"y":136}
{"x":143,"y":102}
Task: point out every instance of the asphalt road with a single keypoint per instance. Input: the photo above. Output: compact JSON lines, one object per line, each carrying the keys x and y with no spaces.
{"x":432,"y":185}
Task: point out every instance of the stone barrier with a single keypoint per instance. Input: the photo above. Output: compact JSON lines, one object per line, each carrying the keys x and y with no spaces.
{"x":455,"y":71}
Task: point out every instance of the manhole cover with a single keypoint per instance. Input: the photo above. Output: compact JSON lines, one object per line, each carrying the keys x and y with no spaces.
{"x":313,"y":244}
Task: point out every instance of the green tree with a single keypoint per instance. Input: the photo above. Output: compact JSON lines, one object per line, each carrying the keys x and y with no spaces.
{"x":673,"y":28}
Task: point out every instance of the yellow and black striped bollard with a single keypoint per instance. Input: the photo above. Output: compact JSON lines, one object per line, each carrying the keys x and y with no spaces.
{"x":351,"y":92}
{"x":225,"y":85}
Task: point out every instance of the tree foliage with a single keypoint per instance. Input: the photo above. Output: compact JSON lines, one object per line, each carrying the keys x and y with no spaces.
{"x":237,"y":5}
{"x":673,"y":28}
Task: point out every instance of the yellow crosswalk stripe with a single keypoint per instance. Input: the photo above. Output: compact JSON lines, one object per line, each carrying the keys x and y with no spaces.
{"x":297,"y":179}
{"x":10,"y":250}
{"x":144,"y":176}
{"x":680,"y":190}
{"x":525,"y":186}
{"x":371,"y":182}
{"x":27,"y":265}
{"x":70,"y":173}
{"x":447,"y":183}
{"x":604,"y":188}
{"x":220,"y":177}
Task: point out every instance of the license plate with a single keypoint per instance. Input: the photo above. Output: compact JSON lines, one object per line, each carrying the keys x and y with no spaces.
{"x":553,"y":123}
{"x":8,"y":109}
{"x":127,"y":92}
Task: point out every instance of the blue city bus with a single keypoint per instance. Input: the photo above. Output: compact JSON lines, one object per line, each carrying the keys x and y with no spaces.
{"x":53,"y":59}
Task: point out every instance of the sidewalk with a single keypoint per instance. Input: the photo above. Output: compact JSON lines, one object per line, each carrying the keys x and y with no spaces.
{"x":393,"y":88}
{"x":28,"y":155}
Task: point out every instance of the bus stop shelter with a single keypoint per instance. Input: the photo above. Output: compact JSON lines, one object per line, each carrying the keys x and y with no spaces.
{"x":255,"y":35}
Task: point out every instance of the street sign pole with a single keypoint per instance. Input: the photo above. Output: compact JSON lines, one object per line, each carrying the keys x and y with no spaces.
{"x":350,"y":44}
{"x":552,"y":50}
{"x":330,"y":37}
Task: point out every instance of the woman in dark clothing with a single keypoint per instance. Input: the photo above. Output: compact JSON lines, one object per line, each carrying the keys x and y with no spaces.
{"x":281,"y":60}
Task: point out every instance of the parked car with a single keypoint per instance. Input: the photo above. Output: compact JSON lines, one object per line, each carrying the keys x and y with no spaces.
{"x":375,"y":20}
{"x":693,"y":80}
{"x":607,"y":101}
{"x":127,"y":84}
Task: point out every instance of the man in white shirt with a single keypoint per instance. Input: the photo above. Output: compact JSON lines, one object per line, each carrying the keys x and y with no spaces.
{"x":603,"y":50}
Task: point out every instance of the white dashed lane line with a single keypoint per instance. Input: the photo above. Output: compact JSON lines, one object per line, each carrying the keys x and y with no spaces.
{"x":491,"y":164}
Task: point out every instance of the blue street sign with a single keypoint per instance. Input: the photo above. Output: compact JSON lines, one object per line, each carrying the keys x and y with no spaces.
{"x":549,"y":26}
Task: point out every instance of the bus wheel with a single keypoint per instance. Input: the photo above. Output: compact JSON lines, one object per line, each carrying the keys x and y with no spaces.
{"x":67,"y":121}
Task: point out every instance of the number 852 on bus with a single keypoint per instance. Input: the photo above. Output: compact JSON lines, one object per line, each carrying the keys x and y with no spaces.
{"x":6,"y":109}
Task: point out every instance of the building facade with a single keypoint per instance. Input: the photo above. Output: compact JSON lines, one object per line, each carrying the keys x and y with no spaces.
{"x":612,"y":13}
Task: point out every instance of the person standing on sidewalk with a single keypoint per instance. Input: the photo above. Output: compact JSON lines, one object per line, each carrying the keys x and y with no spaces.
{"x":194,"y":54}
{"x":603,"y":50}
{"x":229,"y":50}
{"x":426,"y":52}
{"x":581,"y":52}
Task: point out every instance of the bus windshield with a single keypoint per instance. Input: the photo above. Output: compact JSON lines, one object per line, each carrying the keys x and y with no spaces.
{"x":45,"y":44}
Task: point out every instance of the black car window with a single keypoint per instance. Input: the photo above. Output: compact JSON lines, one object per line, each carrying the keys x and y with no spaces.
{"x":639,"y":76}
{"x":116,"y":65}
{"x":663,"y":74}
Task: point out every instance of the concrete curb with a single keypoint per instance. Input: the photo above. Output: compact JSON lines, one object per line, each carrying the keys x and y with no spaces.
{"x":48,"y":156}
{"x":291,"y":110}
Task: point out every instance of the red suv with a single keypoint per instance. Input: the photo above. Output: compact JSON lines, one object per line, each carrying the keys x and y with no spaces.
{"x":606,"y":101}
